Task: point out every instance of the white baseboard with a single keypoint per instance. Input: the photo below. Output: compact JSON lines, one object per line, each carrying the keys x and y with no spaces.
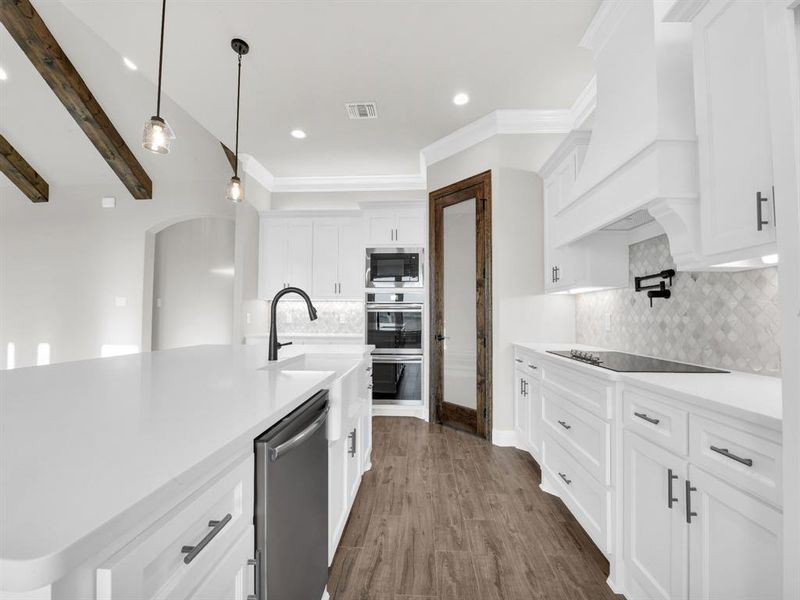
{"x":504,"y":437}
{"x":382,"y":410}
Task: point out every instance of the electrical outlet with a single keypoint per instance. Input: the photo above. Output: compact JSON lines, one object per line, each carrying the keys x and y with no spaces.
{"x":608,"y":321}
{"x":248,"y":318}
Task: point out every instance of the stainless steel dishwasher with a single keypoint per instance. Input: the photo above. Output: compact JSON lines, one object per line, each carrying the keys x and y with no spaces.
{"x":291,"y":505}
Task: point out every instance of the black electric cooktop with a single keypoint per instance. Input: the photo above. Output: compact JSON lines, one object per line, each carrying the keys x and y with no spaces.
{"x":631,"y":363}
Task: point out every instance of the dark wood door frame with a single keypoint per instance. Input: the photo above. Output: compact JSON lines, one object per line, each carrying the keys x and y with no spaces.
{"x":480,"y":188}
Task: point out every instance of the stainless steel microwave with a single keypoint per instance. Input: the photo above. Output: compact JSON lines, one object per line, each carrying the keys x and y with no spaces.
{"x":395,"y":268}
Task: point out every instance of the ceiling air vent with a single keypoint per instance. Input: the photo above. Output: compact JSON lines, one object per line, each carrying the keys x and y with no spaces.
{"x":362,"y":110}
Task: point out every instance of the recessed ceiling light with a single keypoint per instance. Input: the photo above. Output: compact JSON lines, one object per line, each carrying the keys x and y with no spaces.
{"x":298,"y":134}
{"x":129,"y":63}
{"x":3,"y":74}
{"x":460,"y":99}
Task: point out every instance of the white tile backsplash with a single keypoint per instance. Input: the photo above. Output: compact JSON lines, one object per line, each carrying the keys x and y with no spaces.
{"x":727,"y":320}
{"x":333,"y":318}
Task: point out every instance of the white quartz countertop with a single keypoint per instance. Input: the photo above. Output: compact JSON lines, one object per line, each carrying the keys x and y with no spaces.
{"x":755,"y":398}
{"x":86,"y":447}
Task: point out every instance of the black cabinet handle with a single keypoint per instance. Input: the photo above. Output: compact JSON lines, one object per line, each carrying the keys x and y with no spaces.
{"x":564,"y":425}
{"x":727,"y":454}
{"x":519,"y":360}
{"x":647,"y":418}
{"x":532,"y":366}
{"x":191,"y":552}
{"x":564,"y":477}
{"x":760,"y":222}
{"x":670,"y":499}
{"x":689,"y":490}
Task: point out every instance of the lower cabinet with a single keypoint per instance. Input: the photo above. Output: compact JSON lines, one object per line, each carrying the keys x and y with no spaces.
{"x":232,"y":578}
{"x":521,"y":416}
{"x":534,"y":429}
{"x":690,"y":535}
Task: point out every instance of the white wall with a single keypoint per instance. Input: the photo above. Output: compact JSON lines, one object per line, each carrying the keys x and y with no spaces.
{"x":520,"y":311}
{"x":193,"y":283}
{"x":338,"y":200}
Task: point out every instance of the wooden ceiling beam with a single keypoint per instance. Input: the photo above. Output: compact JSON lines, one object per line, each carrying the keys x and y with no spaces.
{"x":32,"y":35}
{"x":21,"y":173}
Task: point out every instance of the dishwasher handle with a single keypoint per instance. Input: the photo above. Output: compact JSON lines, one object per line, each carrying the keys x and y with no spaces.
{"x":290,"y":444}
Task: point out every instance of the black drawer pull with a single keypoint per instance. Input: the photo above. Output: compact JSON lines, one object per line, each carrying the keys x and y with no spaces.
{"x":532,"y":366}
{"x":564,"y":425}
{"x":647,"y":418}
{"x":564,"y":477}
{"x":689,"y":512}
{"x":670,"y":498}
{"x":191,"y":552}
{"x":724,"y":451}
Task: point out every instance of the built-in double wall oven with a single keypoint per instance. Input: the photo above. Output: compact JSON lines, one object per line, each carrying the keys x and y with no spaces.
{"x":394,"y":325}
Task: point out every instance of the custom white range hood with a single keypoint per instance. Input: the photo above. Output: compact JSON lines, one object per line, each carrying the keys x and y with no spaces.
{"x":643,"y":151}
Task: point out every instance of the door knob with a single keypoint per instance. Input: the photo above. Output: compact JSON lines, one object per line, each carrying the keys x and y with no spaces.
{"x":440,"y":338}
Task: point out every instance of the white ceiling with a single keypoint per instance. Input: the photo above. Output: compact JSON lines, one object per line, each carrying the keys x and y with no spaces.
{"x":308,"y":58}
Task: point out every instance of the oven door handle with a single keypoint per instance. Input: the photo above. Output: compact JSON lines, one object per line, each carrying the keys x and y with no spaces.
{"x":410,"y":358}
{"x":394,"y":307}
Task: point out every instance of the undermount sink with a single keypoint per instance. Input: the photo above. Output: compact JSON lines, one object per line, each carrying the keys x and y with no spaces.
{"x":343,"y":391}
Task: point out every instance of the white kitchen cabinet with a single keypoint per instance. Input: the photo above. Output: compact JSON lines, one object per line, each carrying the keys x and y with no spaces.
{"x":398,"y":226}
{"x":656,"y":535}
{"x":337,"y":259}
{"x":231,"y":578}
{"x":599,"y":261}
{"x":534,"y":429}
{"x":521,"y":416}
{"x":285,"y":255}
{"x":734,"y":543}
{"x":337,"y":493}
{"x":353,"y":461}
{"x":733,"y":125}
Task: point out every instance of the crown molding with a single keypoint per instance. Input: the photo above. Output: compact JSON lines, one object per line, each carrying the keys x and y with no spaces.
{"x":605,"y":21}
{"x":683,"y":11}
{"x":584,"y":104}
{"x":578,"y":137}
{"x":257,"y":171}
{"x":358,"y":183}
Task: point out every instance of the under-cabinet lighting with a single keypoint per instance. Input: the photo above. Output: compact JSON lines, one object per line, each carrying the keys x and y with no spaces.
{"x":770,"y":259}
{"x":3,"y":74}
{"x":42,"y":354}
{"x":129,"y":63}
{"x":11,"y":355}
{"x":585,"y":290}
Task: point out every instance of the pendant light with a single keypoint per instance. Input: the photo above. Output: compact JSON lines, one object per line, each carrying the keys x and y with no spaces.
{"x":235,"y":190}
{"x":158,"y":134}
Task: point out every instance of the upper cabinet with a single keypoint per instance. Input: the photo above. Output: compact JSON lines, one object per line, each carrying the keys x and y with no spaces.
{"x":398,"y":226}
{"x":285,"y":255}
{"x":733,"y":127}
{"x":338,"y":256}
{"x":599,"y":261}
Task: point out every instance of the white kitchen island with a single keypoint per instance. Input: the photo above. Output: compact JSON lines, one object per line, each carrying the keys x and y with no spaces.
{"x":108,"y":466}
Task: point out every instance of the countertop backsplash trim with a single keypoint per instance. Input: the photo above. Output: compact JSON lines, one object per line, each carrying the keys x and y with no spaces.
{"x":721,"y":319}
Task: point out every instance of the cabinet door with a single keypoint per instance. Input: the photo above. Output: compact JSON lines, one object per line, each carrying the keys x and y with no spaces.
{"x":353,"y":461}
{"x":410,"y":227}
{"x":551,"y":187}
{"x":351,"y":260}
{"x":656,"y":536}
{"x":534,"y":416}
{"x":231,"y":578}
{"x":271,"y":258}
{"x":521,"y":409}
{"x":300,"y":240}
{"x":733,"y":125}
{"x":380,"y":228}
{"x":325,"y":259}
{"x":734,"y":541}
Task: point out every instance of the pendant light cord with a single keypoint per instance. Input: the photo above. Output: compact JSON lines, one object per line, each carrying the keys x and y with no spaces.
{"x":238,"y":96}
{"x":161,"y":57}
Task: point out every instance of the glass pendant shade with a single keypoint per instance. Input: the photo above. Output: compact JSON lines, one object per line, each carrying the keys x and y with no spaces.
{"x":235,"y":190}
{"x":157,"y":136}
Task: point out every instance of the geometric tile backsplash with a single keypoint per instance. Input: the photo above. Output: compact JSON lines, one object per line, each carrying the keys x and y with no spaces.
{"x":726,"y":320}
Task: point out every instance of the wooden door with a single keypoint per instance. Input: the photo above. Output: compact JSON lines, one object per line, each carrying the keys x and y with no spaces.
{"x":447,"y":407}
{"x":656,"y":535}
{"x":733,"y":125}
{"x":735,"y":543}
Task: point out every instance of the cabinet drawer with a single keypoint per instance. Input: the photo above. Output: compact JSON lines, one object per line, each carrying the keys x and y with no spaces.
{"x":594,"y":394}
{"x":527,"y":362}
{"x":588,"y":501}
{"x":746,"y":460}
{"x":153,"y":566}
{"x":656,"y":421}
{"x":585,"y":435}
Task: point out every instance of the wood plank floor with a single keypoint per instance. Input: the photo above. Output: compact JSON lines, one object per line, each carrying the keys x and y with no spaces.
{"x":445,"y":515}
